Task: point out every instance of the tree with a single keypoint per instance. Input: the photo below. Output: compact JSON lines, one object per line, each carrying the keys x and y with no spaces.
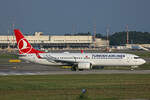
{"x":119,"y":38}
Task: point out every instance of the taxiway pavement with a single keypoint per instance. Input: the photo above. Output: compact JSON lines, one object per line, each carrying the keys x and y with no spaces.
{"x":36,"y":69}
{"x":25,"y":68}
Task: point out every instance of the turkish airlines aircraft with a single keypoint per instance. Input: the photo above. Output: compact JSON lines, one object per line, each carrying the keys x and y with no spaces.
{"x":78,"y":61}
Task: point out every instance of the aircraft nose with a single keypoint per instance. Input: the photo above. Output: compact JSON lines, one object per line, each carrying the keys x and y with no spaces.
{"x":143,"y":61}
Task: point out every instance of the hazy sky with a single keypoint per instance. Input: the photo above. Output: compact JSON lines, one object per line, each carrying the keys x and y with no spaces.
{"x":65,"y":16}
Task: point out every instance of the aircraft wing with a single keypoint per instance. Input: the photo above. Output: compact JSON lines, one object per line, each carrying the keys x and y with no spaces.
{"x":55,"y":60}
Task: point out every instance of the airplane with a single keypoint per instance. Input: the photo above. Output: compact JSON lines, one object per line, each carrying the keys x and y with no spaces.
{"x":78,"y":61}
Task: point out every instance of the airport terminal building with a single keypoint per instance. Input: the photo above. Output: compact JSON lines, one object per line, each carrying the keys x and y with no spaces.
{"x":52,"y":41}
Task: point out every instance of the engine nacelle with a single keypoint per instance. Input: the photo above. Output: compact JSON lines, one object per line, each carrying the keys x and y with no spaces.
{"x":84,"y":65}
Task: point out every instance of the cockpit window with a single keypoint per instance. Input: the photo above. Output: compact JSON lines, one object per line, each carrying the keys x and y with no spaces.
{"x":136,"y":57}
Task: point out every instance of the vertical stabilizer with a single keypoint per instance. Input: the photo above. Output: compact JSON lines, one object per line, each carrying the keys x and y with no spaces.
{"x":23,"y":45}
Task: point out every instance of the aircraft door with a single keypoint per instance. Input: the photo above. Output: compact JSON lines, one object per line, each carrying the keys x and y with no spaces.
{"x":128,"y":60}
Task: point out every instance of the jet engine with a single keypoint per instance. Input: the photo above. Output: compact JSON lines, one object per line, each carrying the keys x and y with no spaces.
{"x":84,"y":65}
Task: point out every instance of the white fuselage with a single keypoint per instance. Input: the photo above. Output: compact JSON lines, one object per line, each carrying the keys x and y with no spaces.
{"x":96,"y":59}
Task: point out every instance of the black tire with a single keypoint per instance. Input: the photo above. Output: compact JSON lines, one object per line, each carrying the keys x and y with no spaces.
{"x":80,"y":69}
{"x":73,"y":68}
{"x":102,"y":67}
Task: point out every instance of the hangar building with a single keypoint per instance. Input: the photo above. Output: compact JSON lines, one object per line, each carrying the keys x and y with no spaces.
{"x":55,"y":41}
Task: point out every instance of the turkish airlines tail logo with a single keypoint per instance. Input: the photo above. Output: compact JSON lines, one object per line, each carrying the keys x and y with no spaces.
{"x":23,"y":45}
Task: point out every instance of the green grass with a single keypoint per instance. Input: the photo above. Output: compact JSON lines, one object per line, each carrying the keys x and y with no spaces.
{"x":145,"y":54}
{"x":68,"y":87}
{"x":8,"y":56}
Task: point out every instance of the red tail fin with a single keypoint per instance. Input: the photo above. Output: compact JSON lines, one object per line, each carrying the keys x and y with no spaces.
{"x":23,"y":45}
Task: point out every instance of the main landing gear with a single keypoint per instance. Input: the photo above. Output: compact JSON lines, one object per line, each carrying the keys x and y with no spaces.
{"x":74,"y":68}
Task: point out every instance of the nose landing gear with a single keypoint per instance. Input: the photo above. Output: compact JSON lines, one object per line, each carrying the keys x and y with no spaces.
{"x":133,"y":67}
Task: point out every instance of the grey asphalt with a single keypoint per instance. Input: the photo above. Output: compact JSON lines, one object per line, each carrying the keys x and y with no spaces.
{"x":25,"y":68}
{"x":51,"y":72}
{"x":36,"y":69}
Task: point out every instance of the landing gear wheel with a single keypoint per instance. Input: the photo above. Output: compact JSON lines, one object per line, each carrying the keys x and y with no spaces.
{"x":80,"y":69}
{"x":73,"y":68}
{"x":132,"y":69}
